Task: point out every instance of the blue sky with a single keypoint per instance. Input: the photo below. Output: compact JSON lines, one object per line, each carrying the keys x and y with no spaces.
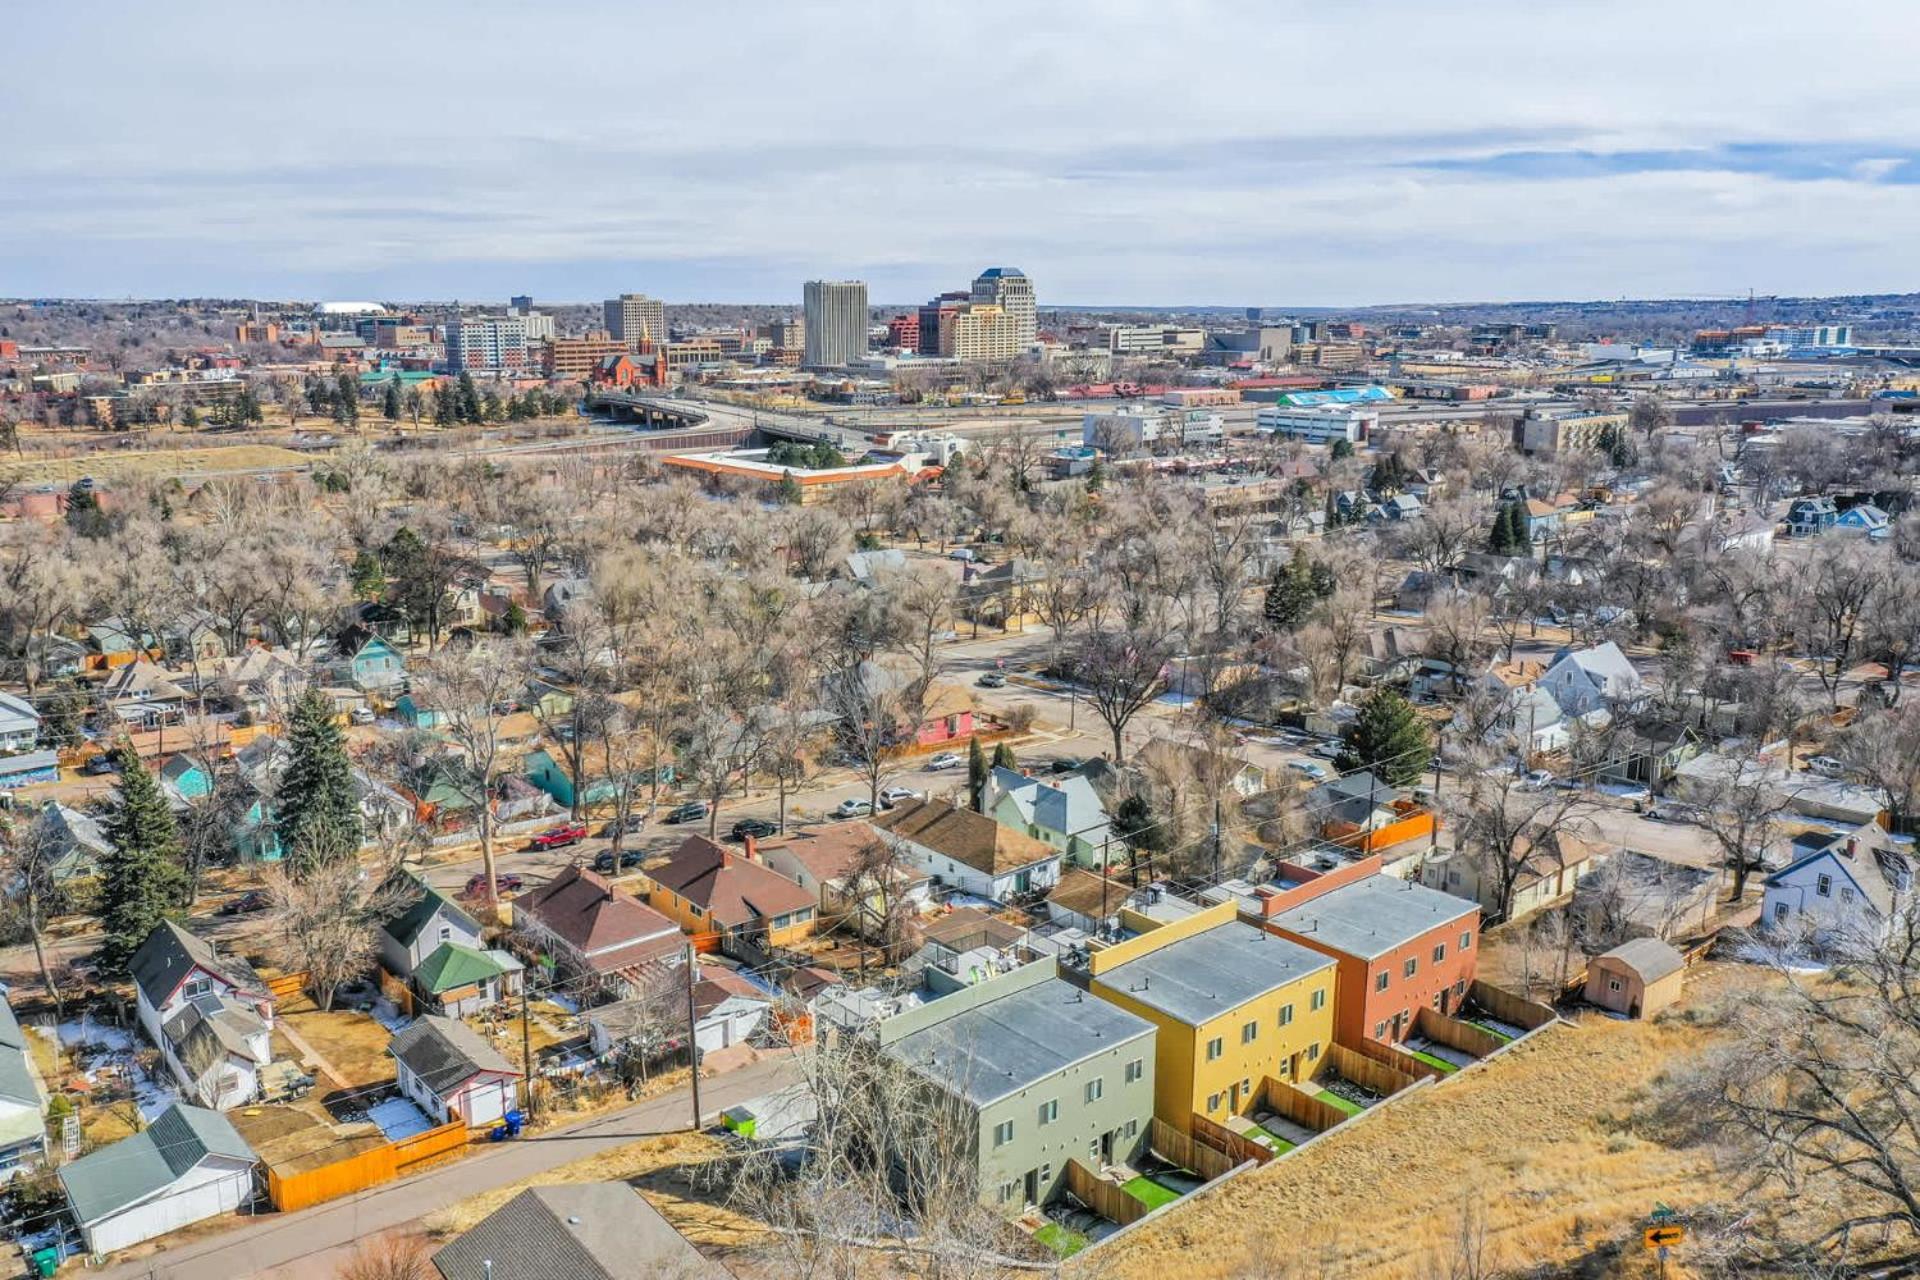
{"x":1277,"y":153}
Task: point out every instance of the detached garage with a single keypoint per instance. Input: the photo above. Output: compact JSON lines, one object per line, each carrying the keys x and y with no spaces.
{"x":190,"y":1165}
{"x":1638,"y":978}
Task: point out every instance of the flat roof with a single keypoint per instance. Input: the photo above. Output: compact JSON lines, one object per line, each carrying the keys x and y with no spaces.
{"x":1005,"y":1045}
{"x":1374,"y":916}
{"x":1198,"y":979}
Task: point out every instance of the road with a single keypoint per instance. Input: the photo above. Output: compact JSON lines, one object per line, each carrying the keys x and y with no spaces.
{"x":310,"y":1244}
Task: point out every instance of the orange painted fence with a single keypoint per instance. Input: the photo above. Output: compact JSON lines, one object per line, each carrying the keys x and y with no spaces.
{"x":287,"y":985}
{"x":1416,"y":823}
{"x":369,"y":1168}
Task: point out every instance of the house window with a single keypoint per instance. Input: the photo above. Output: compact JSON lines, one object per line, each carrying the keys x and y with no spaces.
{"x":1046,"y":1176}
{"x":1460,"y":987}
{"x":1466,"y":942}
{"x":1780,"y":912}
{"x":196,"y":987}
{"x":1133,"y":1128}
{"x":1249,"y":1033}
{"x":1095,"y":1088}
{"x":1381,"y":979}
{"x":1379,"y":1031}
{"x":1453,"y":877}
{"x":1824,"y":885}
{"x":1318,"y":1001}
{"x":1614,"y":984}
{"x":1008,"y":1190}
{"x":1049,"y":1111}
{"x":1286,"y":1014}
{"x":446,"y":932}
{"x":1411,"y":967}
{"x":1135,"y":1070}
{"x":1215,"y":1047}
{"x":1846,"y":894}
{"x":1313,"y":1053}
{"x":1213,"y":1102}
{"x":1439,"y":952}
{"x":1003,"y":1133}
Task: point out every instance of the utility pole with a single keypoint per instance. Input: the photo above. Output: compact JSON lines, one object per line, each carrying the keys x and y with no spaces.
{"x":526,"y":1045}
{"x":1216,"y":839}
{"x":1103,"y":878}
{"x":693,"y":1048}
{"x":1439,"y":747}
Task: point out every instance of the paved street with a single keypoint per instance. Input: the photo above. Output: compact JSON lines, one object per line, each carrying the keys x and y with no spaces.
{"x":309,"y":1245}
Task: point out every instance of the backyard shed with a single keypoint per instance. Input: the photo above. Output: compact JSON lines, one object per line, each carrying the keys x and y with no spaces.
{"x":1637,"y":978}
{"x":189,"y":1165}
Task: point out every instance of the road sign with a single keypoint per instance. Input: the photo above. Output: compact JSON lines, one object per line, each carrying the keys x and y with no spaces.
{"x":1661,"y":1237}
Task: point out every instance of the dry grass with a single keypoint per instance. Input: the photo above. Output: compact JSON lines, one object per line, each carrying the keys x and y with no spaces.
{"x":152,"y":463}
{"x":656,"y":1167}
{"x":1539,"y":1138}
{"x":293,"y":1139}
{"x":355,"y":1043}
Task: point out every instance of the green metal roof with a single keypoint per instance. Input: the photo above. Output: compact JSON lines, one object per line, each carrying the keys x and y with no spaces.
{"x":453,"y":965}
{"x":108,"y":1180}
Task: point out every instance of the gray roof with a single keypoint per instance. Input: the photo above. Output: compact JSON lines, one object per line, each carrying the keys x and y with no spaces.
{"x":117,"y":1176}
{"x":445,"y":1053}
{"x":209,"y":1016}
{"x":1200,"y":978}
{"x":17,"y":1081}
{"x":589,"y":1231}
{"x":1370,"y":917}
{"x":1651,"y":958}
{"x":1065,"y":803}
{"x":1024,"y":1037}
{"x":170,"y":953}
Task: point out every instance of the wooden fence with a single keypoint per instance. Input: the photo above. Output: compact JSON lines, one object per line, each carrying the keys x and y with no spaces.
{"x":1398,"y":1059}
{"x":1296,"y":1104}
{"x":1456,"y":1034}
{"x":396,"y":990}
{"x":1365,"y":1072}
{"x":1511,"y":1008}
{"x":368,"y":1168}
{"x":1176,"y":1147}
{"x":1236,"y":1148}
{"x":1103,"y":1197}
{"x":287,"y":985}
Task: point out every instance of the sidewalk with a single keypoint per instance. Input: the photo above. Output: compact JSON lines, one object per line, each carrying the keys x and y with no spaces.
{"x":275,"y":1241}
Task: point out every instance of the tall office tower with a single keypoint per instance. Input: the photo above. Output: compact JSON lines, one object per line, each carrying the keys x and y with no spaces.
{"x":1009,"y":289}
{"x":635,"y":318}
{"x":521,"y":302}
{"x":487,"y":344}
{"x":836,"y":320}
{"x":936,"y":322}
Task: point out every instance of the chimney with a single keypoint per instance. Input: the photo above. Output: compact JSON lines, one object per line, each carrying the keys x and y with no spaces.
{"x":751,"y":848}
{"x":1853,"y":844}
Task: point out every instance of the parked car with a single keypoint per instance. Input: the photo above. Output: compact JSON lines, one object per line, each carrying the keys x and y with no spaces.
{"x":758,"y":828}
{"x":1671,"y":813}
{"x":946,"y":760}
{"x":505,"y":882}
{"x":102,"y":763}
{"x":257,"y":900}
{"x":1307,"y":768}
{"x":362,"y":715}
{"x":632,"y":826}
{"x":1826,"y":766}
{"x":1537,"y":779}
{"x":559,"y":837}
{"x":992,"y":680}
{"x":1064,"y":764}
{"x":891,"y":796}
{"x":1327,"y":750}
{"x":603,"y":862}
{"x":963,"y":553}
{"x":852,"y":809}
{"x":691,"y":811}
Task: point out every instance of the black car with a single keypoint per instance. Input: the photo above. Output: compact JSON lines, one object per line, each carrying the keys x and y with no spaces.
{"x":634,"y":824}
{"x":1065,"y":764}
{"x":692,"y":811}
{"x":758,"y":828}
{"x":603,"y":863}
{"x":100,"y":764}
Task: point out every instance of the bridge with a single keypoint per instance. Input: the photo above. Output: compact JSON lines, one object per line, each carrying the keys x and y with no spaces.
{"x":648,"y":411}
{"x":658,"y":412}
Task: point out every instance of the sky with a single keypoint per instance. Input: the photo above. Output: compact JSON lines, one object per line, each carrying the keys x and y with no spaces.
{"x":1265,"y":152}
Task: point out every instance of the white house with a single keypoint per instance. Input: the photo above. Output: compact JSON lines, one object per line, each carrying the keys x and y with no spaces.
{"x":19,"y":724}
{"x":1848,"y":889}
{"x":1532,"y":723}
{"x":969,"y":851}
{"x":448,"y":1070}
{"x":727,"y":1009}
{"x":427,"y":920}
{"x":210,"y":1015}
{"x":23,"y":1130}
{"x":1583,"y":680}
{"x":188,"y":1166}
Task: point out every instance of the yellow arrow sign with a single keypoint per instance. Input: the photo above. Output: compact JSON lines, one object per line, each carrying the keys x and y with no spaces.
{"x":1661,"y":1237}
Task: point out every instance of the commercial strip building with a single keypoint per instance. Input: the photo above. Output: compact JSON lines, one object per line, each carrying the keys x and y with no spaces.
{"x":836,"y":322}
{"x":752,"y":465}
{"x":1318,"y":424}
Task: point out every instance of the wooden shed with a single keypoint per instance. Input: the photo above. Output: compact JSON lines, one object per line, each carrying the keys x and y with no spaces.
{"x":1638,"y":978}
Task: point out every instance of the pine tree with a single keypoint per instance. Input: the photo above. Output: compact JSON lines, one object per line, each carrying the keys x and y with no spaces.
{"x":1290,"y":596}
{"x":1134,"y":823}
{"x":469,"y":399}
{"x":976,"y":771}
{"x":140,"y":873}
{"x":84,"y":515}
{"x":1003,"y":757}
{"x":390,"y":403}
{"x":317,"y":810}
{"x":368,"y":575}
{"x":1388,"y":738}
{"x":788,"y":490}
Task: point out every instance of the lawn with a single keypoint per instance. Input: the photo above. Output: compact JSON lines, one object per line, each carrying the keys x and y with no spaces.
{"x":1063,"y":1241}
{"x":355,"y":1044}
{"x":1338,"y":1103}
{"x":151,"y":462}
{"x":1273,"y":1141}
{"x":1149,"y":1192}
{"x":1439,"y":1064}
{"x":1503,"y":1037}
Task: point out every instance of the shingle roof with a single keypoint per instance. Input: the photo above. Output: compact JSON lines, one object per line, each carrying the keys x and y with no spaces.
{"x":1651,"y":958}
{"x":1065,"y":804}
{"x":209,"y":1018}
{"x":1371,"y":917}
{"x":17,"y":1080}
{"x":445,"y":1053}
{"x":108,"y":1180}
{"x":611,"y":930}
{"x":731,"y":889}
{"x":170,"y":953}
{"x":1086,"y":892}
{"x":406,"y":926}
{"x":964,"y":836}
{"x":590,"y":1231}
{"x":1210,"y":974}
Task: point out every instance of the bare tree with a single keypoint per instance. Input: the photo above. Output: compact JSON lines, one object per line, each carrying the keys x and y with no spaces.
{"x":472,"y":690}
{"x":388,"y":1257}
{"x":29,"y":851}
{"x":1122,"y":669}
{"x":1512,"y":829}
{"x":327,"y":923}
{"x":1742,"y":807}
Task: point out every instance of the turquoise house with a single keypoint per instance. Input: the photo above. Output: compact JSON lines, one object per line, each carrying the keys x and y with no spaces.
{"x":255,"y":838}
{"x":553,"y":777}
{"x":420,"y":716}
{"x":375,"y":664}
{"x":189,"y":777}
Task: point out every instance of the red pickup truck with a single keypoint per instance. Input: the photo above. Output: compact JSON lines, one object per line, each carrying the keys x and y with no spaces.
{"x":560,"y":837}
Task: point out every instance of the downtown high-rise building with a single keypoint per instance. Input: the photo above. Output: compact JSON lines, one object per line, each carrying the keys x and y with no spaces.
{"x":487,"y":344}
{"x":836,"y":322}
{"x":1009,"y":289}
{"x":635,"y":318}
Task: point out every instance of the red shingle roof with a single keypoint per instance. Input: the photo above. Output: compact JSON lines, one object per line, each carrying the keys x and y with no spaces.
{"x":732,"y":890}
{"x":610,"y":930}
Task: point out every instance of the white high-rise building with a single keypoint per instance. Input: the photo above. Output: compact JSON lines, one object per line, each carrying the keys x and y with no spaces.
{"x":635,"y":318}
{"x":487,"y":344}
{"x":1009,"y":289}
{"x":836,"y":322}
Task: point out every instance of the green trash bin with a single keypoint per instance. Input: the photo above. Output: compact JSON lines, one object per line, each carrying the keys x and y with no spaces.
{"x":46,"y":1261}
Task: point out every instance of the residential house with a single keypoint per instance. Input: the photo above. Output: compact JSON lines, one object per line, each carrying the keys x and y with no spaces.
{"x":210,"y":1015}
{"x":187,"y":1166}
{"x":1391,"y":652}
{"x":186,"y":777}
{"x":1398,"y":945}
{"x":1041,"y":1073}
{"x":1530,"y":723}
{"x":1208,"y":769}
{"x":1548,"y":874}
{"x":369,"y":663}
{"x":727,"y":1010}
{"x":564,"y":594}
{"x":1362,"y":811}
{"x":30,"y":769}
{"x":1086,"y":900}
{"x":582,"y":926}
{"x":19,"y":724}
{"x":587,"y":1231}
{"x":458,"y":980}
{"x":856,"y":880}
{"x":1807,"y":517}
{"x":971,"y":852}
{"x":1001,"y":595}
{"x":111,"y":643}
{"x":449,"y":1071}
{"x":1593,"y":679}
{"x":1400,"y":507}
{"x":75,"y":842}
{"x":426,"y":920}
{"x":1231,"y":1005}
{"x":193,"y":637}
{"x":1063,"y":812}
{"x":1864,"y":521}
{"x":1840,"y":890}
{"x":865,"y":567}
{"x":413,"y":711}
{"x":142,"y":695}
{"x":1638,"y":978}
{"x":704,"y":888}
{"x":23,"y":1101}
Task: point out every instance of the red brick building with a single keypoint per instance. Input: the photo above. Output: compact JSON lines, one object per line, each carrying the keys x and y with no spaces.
{"x":1398,"y":946}
{"x":904,"y":332}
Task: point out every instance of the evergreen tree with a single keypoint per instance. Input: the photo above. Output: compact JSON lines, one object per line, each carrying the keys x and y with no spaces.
{"x":445,"y":409}
{"x":84,"y":515}
{"x":1342,"y":449}
{"x":317,"y":808}
{"x":468,"y":409}
{"x":1134,"y":823}
{"x":140,"y":873}
{"x":788,"y":490}
{"x":976,"y":771}
{"x":190,"y":418}
{"x":1290,"y":596}
{"x":246,"y":407}
{"x":1388,"y":738}
{"x":390,"y":403}
{"x":1003,"y":757}
{"x":368,"y":575}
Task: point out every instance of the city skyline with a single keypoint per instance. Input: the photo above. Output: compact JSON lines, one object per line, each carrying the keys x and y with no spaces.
{"x":1632,"y":154}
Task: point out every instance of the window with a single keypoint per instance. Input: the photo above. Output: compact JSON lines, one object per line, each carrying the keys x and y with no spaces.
{"x":1379,"y":1031}
{"x":446,"y":932}
{"x":1135,"y":1070}
{"x":1133,"y":1128}
{"x":1049,"y":1111}
{"x":1318,"y":1001}
{"x":1780,"y":912}
{"x":1439,"y":952}
{"x":1213,"y":1102}
{"x":1095,"y":1088}
{"x":1466,"y":942}
{"x":1381,"y":979}
{"x":1460,"y":987}
{"x":1614,"y":984}
{"x":1046,"y":1176}
{"x":1411,"y":967}
{"x":1846,"y":894}
{"x":1453,"y":877}
{"x":1003,"y":1133}
{"x":1249,"y":1033}
{"x":196,"y":987}
{"x":1215,"y":1047}
{"x":1824,"y":885}
{"x":1008,"y":1190}
{"x":1286,"y":1014}
{"x":1313,"y":1053}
